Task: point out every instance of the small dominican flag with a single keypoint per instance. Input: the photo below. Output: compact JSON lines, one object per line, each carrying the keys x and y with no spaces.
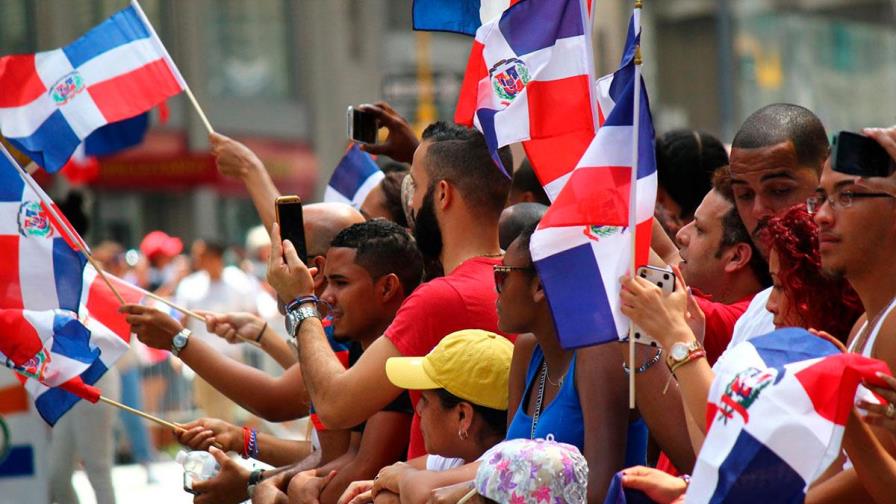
{"x":529,"y":75}
{"x":51,"y":102}
{"x":353,"y":179}
{"x":776,"y":416}
{"x":583,"y":244}
{"x":42,"y":271}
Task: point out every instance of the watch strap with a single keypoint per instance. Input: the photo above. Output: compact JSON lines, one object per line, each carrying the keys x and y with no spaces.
{"x":183,"y":335}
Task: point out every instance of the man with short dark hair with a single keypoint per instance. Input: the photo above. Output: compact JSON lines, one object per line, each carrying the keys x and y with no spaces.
{"x":458,"y":196}
{"x":515,"y":218}
{"x":776,"y":160}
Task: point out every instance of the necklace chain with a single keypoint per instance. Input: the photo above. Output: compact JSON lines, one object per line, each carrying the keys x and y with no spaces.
{"x":539,"y":399}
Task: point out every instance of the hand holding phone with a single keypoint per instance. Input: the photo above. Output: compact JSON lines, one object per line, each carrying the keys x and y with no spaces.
{"x":292,"y":224}
{"x":665,"y":280}
{"x":362,"y":126}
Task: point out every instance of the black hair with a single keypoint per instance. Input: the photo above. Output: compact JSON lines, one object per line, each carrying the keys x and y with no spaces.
{"x":495,"y":420}
{"x":521,"y":216}
{"x":524,"y":180}
{"x":685,"y":162}
{"x":780,"y":122}
{"x":460,"y":155}
{"x":734,"y":232}
{"x":383,"y":247}
{"x":526,"y":236}
{"x":215,"y":247}
{"x":392,"y":194}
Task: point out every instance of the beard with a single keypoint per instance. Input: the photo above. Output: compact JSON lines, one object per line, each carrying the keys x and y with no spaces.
{"x":426,"y":228}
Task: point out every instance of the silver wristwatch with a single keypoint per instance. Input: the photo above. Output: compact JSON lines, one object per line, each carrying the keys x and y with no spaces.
{"x":295,"y":316}
{"x":179,"y":341}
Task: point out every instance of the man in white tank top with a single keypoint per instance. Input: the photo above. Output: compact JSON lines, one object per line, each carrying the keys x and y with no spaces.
{"x":856,"y":218}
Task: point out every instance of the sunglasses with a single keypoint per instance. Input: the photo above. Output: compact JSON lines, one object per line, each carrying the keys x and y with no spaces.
{"x":501,"y":272}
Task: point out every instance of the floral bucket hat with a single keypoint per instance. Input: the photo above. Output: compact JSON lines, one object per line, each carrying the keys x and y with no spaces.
{"x":533,"y":471}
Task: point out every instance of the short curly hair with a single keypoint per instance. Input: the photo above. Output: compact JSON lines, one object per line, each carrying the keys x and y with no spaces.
{"x":822,"y":301}
{"x":383,"y":247}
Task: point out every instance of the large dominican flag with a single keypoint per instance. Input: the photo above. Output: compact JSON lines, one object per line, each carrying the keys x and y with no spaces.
{"x":42,"y":271}
{"x":458,"y":16}
{"x":583,"y":243}
{"x":776,"y":415}
{"x":529,"y":75}
{"x":50,"y":102}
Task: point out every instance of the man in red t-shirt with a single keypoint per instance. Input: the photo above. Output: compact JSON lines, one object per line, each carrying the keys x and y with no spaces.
{"x":724,"y":271}
{"x":458,"y":196}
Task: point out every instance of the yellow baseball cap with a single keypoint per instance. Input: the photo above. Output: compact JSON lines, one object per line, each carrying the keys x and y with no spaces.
{"x":471,"y":364}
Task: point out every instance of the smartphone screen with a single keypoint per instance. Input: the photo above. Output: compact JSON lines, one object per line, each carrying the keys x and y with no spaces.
{"x":362,"y":126}
{"x":289,"y":216}
{"x":856,"y":154}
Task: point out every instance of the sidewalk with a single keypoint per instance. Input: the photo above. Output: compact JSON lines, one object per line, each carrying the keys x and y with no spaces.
{"x":131,"y":487}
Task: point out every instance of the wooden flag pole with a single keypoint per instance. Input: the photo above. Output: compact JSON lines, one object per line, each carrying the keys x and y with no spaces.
{"x":180,"y":78}
{"x":141,"y":413}
{"x":632,"y":204}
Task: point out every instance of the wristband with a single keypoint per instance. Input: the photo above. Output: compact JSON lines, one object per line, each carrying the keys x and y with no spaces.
{"x":255,"y":478}
{"x":261,"y":333}
{"x":691,"y":358}
{"x":647,"y":365}
{"x":253,"y":444}
{"x":302,"y":299}
{"x":246,"y":436}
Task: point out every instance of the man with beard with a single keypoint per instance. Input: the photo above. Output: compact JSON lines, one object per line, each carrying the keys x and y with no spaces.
{"x":458,"y":195}
{"x":776,"y":159}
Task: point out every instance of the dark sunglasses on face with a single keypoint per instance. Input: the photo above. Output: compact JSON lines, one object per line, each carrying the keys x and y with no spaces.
{"x":501,"y":272}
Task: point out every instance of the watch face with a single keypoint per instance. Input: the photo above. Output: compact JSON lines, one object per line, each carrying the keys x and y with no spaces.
{"x":679,"y":351}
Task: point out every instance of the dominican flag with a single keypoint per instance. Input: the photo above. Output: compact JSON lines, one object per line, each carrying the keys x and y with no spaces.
{"x":529,"y":76}
{"x":42,"y":271}
{"x":354,"y":177}
{"x":51,"y":348}
{"x":583,"y":244}
{"x":51,"y":102}
{"x":777,"y":411}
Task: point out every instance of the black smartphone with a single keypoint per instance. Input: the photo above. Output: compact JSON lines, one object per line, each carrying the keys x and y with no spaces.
{"x":856,"y":154}
{"x":292,"y":224}
{"x":362,"y":127}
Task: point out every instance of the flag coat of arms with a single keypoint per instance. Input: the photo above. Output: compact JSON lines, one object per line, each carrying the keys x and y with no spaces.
{"x":43,"y":272}
{"x":529,"y":75}
{"x":50,"y":102}
{"x":583,"y":244}
{"x":776,"y":415}
{"x":353,"y":179}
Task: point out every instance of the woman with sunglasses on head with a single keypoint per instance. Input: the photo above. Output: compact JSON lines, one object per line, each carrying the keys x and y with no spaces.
{"x":576,"y":397}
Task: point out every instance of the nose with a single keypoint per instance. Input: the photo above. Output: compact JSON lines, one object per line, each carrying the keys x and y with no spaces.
{"x":772,"y":304}
{"x":824,"y":215}
{"x":682,"y":237}
{"x":328,"y":295}
{"x":761,"y":209}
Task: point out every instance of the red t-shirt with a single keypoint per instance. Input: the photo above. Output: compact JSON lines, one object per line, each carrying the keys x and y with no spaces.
{"x":720,"y":320}
{"x":463,"y":299}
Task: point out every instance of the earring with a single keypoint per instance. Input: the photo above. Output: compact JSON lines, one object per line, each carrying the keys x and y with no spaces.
{"x":462,"y":434}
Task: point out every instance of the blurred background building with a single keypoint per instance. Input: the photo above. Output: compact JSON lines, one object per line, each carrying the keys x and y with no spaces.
{"x":278,"y":75}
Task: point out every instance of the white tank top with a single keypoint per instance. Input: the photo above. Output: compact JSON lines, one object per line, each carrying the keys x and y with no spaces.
{"x":872,"y":337}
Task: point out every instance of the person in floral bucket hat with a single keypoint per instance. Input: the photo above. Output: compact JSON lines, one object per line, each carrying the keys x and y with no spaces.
{"x":532,"y":471}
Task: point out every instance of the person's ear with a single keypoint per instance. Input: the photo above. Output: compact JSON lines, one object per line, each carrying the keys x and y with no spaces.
{"x":464,"y":415}
{"x":537,"y":289}
{"x":318,"y":262}
{"x":388,"y":287}
{"x":444,"y":195}
{"x":737,"y":257}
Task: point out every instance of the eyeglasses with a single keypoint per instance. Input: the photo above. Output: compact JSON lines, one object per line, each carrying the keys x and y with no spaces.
{"x":501,"y":272}
{"x":843,"y":199}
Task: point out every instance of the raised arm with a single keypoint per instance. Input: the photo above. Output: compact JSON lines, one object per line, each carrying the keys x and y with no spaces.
{"x":274,"y":399}
{"x":236,"y":160}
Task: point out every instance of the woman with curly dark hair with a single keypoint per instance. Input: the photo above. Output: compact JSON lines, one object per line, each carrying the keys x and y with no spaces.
{"x":802,"y":295}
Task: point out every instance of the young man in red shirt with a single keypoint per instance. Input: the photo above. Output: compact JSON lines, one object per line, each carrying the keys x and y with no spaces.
{"x":459,"y":193}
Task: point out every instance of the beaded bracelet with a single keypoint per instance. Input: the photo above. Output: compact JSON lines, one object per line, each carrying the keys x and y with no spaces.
{"x":253,"y":444}
{"x":647,"y":365}
{"x":302,"y":299}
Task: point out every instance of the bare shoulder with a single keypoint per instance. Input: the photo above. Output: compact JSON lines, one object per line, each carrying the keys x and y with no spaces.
{"x":885,"y":343}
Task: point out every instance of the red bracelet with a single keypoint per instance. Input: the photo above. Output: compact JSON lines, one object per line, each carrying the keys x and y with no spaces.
{"x":246,"y":435}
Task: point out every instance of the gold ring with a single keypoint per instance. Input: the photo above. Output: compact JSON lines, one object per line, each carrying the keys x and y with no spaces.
{"x":891,"y":411}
